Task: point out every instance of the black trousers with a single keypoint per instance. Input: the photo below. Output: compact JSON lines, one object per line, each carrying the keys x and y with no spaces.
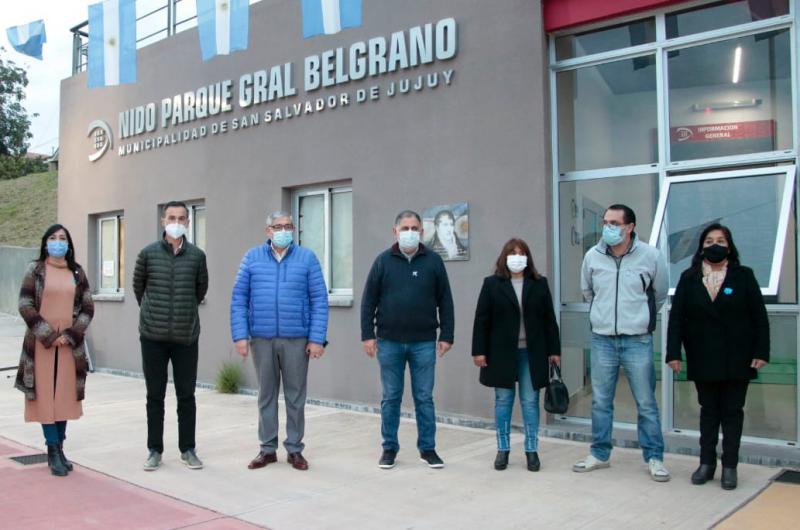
{"x":721,"y":403}
{"x":156,"y":355}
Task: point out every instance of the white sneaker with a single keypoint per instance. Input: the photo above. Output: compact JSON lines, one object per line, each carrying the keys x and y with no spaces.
{"x":657,"y":470}
{"x":590,"y":463}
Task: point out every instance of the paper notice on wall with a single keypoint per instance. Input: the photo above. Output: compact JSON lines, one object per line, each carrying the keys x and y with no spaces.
{"x":108,"y":269}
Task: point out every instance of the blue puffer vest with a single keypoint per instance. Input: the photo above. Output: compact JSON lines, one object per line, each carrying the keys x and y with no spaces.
{"x":279,"y":299}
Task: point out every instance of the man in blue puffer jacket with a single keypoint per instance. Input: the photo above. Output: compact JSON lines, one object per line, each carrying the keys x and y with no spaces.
{"x":279,"y":307}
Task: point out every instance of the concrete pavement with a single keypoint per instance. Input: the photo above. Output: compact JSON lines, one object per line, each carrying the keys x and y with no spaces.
{"x":344,"y":489}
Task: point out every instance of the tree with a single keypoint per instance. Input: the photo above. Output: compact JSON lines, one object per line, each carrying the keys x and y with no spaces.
{"x":14,"y":122}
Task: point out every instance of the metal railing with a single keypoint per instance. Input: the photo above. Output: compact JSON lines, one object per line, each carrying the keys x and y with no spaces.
{"x":149,"y":22}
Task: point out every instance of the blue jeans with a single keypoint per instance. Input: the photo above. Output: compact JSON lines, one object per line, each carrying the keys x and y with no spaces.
{"x":54,"y":433}
{"x":635,"y":354}
{"x":421,"y":359}
{"x":528,"y":400}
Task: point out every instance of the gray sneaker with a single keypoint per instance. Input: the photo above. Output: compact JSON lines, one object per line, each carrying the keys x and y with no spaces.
{"x":153,"y":461}
{"x":189,"y":458}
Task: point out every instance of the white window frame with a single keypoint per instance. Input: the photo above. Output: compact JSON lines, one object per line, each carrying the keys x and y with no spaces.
{"x":193,"y":207}
{"x":118,"y":289}
{"x":335,"y":296}
{"x":783,"y":217}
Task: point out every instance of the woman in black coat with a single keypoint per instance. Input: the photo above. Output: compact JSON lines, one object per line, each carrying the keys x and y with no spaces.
{"x":514,"y":338}
{"x":719,"y":316}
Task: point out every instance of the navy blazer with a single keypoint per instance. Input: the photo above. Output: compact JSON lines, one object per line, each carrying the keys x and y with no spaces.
{"x":721,"y":337}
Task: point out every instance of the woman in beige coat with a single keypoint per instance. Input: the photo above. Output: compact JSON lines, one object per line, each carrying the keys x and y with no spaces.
{"x":56,"y":303}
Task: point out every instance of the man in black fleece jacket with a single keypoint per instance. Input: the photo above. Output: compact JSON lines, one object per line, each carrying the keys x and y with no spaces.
{"x":405,"y":289}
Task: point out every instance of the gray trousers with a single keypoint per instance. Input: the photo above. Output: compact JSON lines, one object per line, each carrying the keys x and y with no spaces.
{"x":277,"y":359}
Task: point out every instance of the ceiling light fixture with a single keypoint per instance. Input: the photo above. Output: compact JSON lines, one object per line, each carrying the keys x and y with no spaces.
{"x":737,"y":63}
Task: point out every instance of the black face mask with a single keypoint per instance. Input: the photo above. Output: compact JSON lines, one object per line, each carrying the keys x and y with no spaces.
{"x":715,"y":253}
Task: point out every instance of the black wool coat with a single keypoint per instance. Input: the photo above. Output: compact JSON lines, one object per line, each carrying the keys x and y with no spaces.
{"x":721,"y":338}
{"x":495,"y":332}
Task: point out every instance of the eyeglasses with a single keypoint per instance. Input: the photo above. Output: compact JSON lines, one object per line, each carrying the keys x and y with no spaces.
{"x":277,"y":228}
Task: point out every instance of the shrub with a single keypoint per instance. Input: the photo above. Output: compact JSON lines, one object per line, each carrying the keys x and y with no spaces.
{"x":229,"y":378}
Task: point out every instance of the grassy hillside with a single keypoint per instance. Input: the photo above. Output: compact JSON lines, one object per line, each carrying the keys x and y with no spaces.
{"x":28,"y":205}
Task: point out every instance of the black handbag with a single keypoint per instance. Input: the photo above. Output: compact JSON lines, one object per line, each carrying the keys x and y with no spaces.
{"x":556,"y":395}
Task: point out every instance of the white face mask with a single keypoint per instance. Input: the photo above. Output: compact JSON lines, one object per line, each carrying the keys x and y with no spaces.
{"x":408,"y":239}
{"x":175,"y":230}
{"x":516,"y":263}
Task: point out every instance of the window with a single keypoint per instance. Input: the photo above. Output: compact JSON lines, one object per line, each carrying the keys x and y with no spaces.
{"x":324,"y":218}
{"x":723,"y":15}
{"x":732,"y":97}
{"x":582,"y":204}
{"x":754,"y":203}
{"x":197,"y":225}
{"x":606,"y":39}
{"x":111,"y":253}
{"x":607,"y":115}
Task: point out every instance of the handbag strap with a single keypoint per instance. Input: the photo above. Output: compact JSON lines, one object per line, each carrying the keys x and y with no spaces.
{"x":555,"y":372}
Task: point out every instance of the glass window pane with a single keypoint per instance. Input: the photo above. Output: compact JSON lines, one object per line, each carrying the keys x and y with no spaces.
{"x":342,"y":240}
{"x":576,"y":369}
{"x":607,"y":115}
{"x":610,"y":38}
{"x":200,"y":228}
{"x":722,"y":15}
{"x":749,"y":206}
{"x":582,"y":204}
{"x":731,"y":98}
{"x":311,"y":225}
{"x":771,"y":407}
{"x":108,"y":254}
{"x":121,"y":248}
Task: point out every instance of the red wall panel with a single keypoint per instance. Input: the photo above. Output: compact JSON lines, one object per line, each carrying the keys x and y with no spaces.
{"x":560,"y":14}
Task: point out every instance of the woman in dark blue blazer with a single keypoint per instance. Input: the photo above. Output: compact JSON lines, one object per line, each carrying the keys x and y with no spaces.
{"x":514,"y":338}
{"x":719,"y":317}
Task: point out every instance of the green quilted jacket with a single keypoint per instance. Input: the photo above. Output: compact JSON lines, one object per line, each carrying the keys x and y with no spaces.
{"x":168,"y":288}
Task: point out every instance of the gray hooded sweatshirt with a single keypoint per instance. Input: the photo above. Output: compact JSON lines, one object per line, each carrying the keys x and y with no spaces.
{"x":625,"y":292}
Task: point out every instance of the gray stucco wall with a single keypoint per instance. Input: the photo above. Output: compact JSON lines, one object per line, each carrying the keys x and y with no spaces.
{"x":13,"y":263}
{"x":482,"y":140}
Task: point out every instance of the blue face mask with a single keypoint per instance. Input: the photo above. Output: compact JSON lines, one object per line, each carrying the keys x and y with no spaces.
{"x":408,"y":239}
{"x":282,"y":239}
{"x":57,"y":249}
{"x":612,"y":235}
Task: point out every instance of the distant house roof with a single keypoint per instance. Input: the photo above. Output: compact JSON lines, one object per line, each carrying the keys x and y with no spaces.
{"x":53,"y":158}
{"x":35,"y":155}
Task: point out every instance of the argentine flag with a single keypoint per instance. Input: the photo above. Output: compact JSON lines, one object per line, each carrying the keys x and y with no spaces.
{"x":28,"y":38}
{"x":329,"y":16}
{"x":112,"y":43}
{"x":222,"y":26}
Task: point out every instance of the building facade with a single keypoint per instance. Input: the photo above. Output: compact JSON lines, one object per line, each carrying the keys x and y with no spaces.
{"x":519,"y":117}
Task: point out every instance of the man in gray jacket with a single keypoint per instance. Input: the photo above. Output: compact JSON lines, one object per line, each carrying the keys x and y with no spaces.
{"x":625,"y":281}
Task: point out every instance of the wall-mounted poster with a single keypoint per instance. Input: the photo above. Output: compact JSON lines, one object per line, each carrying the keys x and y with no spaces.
{"x":447,"y":230}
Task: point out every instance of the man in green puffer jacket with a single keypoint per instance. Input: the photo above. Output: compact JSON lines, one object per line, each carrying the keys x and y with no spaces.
{"x":169,"y":281}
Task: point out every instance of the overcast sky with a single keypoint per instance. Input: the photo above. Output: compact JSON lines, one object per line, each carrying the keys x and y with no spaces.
{"x":42,"y":94}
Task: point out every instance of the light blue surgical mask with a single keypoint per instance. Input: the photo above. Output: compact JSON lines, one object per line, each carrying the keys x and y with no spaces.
{"x":57,"y":249}
{"x":282,"y":238}
{"x":408,"y":239}
{"x":612,"y":235}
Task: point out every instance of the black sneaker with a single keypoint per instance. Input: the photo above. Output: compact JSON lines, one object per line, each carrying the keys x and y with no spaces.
{"x":387,"y":459}
{"x":431,"y":458}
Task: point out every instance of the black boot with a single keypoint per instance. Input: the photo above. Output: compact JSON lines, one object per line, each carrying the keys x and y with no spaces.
{"x":533,"y":461}
{"x":67,"y":463}
{"x":728,"y":478}
{"x":501,"y":460}
{"x":54,"y":462}
{"x":703,"y":474}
